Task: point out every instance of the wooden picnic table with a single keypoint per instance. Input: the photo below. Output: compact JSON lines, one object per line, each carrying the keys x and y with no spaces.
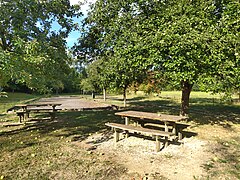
{"x":143,"y":117}
{"x":37,"y":108}
{"x":27,"y":106}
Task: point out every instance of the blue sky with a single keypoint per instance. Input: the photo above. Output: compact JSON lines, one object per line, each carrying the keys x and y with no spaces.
{"x":73,"y":36}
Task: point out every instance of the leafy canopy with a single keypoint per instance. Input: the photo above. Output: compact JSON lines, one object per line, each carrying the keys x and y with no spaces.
{"x":31,"y":51}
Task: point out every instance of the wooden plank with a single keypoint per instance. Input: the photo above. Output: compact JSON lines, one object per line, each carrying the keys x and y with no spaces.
{"x":152,"y":116}
{"x":44,"y":104}
{"x":157,"y":144}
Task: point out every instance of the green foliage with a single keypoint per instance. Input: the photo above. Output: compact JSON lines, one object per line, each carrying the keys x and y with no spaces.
{"x":187,"y":41}
{"x":30,"y":51}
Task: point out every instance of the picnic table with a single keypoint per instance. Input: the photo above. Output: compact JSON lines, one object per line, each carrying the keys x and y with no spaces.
{"x":142,"y":118}
{"x":154,"y":118}
{"x":26,"y":109}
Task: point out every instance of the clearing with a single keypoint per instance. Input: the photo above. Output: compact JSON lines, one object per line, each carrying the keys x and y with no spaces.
{"x":77,"y":145}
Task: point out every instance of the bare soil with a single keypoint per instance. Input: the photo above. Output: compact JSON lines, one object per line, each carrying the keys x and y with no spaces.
{"x":177,"y":161}
{"x":74,"y":103}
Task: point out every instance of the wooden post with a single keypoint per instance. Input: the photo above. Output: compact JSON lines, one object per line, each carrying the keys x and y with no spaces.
{"x":116,"y":136}
{"x":166,"y":127}
{"x":174,"y":129}
{"x":157,"y":144}
{"x":166,"y":142}
{"x":126,"y":121}
{"x":180,"y":135}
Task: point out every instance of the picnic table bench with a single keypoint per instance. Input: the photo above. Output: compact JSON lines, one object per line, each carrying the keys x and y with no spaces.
{"x":26,"y":109}
{"x":141,"y":119}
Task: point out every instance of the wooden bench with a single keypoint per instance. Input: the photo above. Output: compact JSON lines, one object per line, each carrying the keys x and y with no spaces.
{"x":160,"y":125}
{"x":135,"y":129}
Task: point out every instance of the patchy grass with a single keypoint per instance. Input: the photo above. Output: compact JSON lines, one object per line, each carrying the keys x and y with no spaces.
{"x":46,"y":149}
{"x":15,"y":98}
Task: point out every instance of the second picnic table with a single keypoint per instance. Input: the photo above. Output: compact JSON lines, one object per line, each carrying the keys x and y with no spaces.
{"x":23,"y":113}
{"x":148,"y":117}
{"x":143,"y":118}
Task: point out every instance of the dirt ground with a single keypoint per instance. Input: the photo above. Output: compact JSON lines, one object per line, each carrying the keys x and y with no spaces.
{"x":74,"y":103}
{"x":177,"y":161}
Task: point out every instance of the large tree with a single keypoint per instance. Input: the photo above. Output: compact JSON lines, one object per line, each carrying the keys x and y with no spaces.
{"x":189,"y":41}
{"x":31,"y":51}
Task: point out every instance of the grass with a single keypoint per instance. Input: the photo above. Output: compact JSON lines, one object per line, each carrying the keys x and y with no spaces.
{"x":46,"y":150}
{"x":15,"y":98}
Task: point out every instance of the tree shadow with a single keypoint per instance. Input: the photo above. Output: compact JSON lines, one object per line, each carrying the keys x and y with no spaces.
{"x":77,"y":125}
{"x":202,"y":110}
{"x":161,"y":105}
{"x":215,"y":114}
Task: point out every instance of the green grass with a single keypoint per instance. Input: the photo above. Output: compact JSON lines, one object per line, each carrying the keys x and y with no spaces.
{"x":46,"y":149}
{"x":15,"y":98}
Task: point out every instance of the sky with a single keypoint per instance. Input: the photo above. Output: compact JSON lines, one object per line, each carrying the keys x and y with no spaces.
{"x":73,"y":36}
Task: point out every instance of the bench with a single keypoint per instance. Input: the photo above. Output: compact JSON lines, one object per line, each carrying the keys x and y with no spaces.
{"x":160,"y":125}
{"x":135,"y":129}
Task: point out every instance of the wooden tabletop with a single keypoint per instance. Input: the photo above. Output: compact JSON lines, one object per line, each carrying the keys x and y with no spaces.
{"x":44,"y":104}
{"x":37,"y":105}
{"x":152,"y":116}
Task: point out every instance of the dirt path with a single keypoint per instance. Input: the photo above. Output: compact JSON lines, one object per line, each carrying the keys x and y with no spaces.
{"x":74,"y":103}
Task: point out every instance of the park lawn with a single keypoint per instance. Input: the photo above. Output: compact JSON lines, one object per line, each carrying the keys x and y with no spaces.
{"x":46,"y":150}
{"x":15,"y":98}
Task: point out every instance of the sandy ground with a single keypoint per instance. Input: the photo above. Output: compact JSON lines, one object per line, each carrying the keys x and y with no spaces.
{"x":73,"y":103}
{"x":178,"y":161}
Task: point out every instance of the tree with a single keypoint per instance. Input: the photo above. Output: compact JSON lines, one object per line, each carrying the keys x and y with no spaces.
{"x":183,"y":39}
{"x":30,"y":50}
{"x":103,"y":42}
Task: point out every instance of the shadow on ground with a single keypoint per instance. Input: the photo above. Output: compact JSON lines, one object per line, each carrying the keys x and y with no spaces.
{"x":79,"y":125}
{"x":202,"y":110}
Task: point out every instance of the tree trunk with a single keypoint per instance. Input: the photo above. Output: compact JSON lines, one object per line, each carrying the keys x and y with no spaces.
{"x":124,"y":97}
{"x":186,"y":90}
{"x":104,"y":94}
{"x":93,"y":94}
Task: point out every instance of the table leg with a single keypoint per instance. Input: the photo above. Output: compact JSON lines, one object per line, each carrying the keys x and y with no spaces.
{"x":166,"y":127}
{"x":180,"y":135}
{"x":157,"y":144}
{"x":166,"y":142}
{"x":116,"y":135}
{"x":126,"y":121}
{"x":174,"y":129}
